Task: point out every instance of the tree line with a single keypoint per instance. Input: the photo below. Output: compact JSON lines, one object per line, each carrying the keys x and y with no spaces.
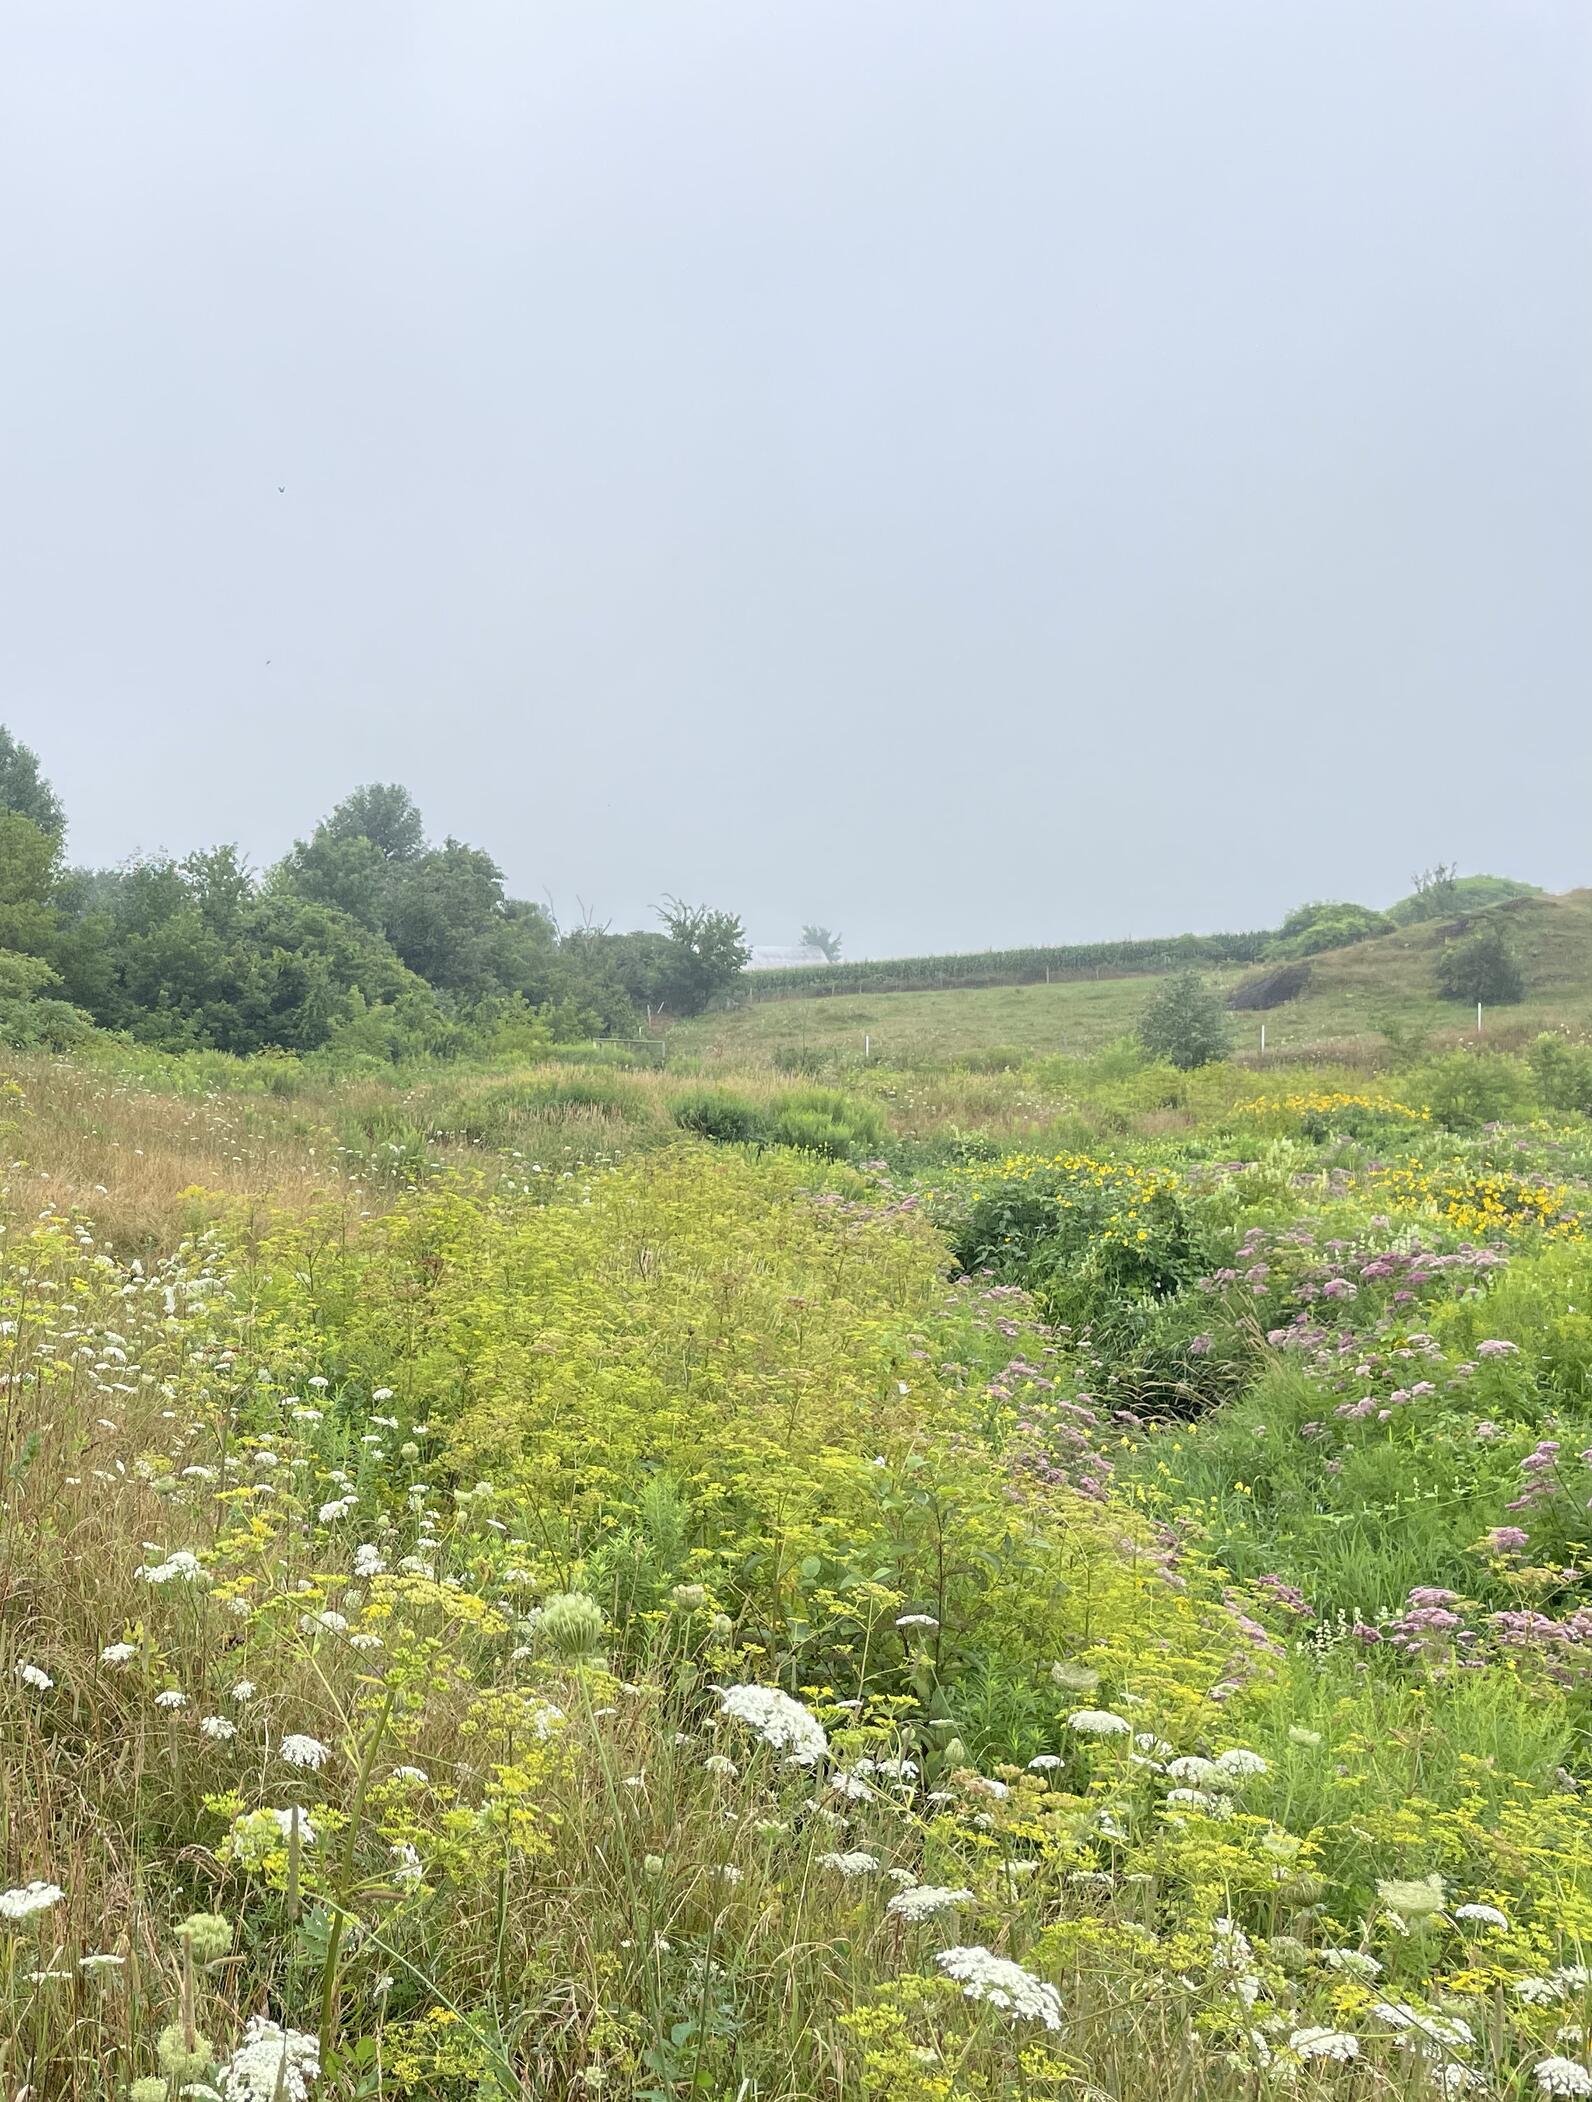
{"x":367,"y":938}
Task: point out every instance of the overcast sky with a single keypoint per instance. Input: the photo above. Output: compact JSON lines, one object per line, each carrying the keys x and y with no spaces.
{"x":967,"y":471}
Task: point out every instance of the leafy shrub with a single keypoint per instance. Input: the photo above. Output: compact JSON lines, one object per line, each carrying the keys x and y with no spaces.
{"x":1481,"y":966}
{"x":716,"y":1113}
{"x":1439,"y":893}
{"x":1563,"y":1072}
{"x":820,"y":1120}
{"x":1327,"y":924}
{"x":1186,"y":1023}
{"x":803,"y":1058}
{"x":1466,"y":1089}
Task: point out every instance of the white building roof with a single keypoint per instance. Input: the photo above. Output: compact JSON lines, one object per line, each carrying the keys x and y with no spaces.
{"x":784,"y":959}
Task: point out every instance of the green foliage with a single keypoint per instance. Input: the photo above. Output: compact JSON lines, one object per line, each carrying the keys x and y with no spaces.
{"x":1328,"y":924}
{"x":1186,"y":1023}
{"x":1010,"y":966}
{"x":1465,"y":1089}
{"x":707,"y":953}
{"x":1442,"y":892}
{"x":716,"y":1113}
{"x":816,"y":937}
{"x":1481,"y":966}
{"x":1562,"y":1070}
{"x":823,"y":1121}
{"x":25,"y":793}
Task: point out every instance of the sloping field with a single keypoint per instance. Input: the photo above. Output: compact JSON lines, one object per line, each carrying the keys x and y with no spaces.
{"x":1351,"y":992}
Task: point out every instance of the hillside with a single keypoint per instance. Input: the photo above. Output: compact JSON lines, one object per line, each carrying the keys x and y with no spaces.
{"x":1350,"y":991}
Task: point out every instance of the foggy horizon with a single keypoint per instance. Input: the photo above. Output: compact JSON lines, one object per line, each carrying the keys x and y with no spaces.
{"x":976,"y":477}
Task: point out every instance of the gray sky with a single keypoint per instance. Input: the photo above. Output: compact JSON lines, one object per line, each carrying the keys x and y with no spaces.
{"x":968,"y":471}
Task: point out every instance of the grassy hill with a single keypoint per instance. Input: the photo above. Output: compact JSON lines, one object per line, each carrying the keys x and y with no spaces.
{"x":1351,"y":991}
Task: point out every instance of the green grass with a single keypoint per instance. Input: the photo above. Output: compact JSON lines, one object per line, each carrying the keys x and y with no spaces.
{"x":1351,"y":992}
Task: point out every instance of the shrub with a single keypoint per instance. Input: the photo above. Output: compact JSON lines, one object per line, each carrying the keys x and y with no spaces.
{"x":803,"y":1058}
{"x":1466,"y":1089}
{"x":1185,"y":1023}
{"x":1563,"y":1072}
{"x":1327,"y":924}
{"x":715,"y":1113}
{"x":1482,"y":966}
{"x":820,"y":1120}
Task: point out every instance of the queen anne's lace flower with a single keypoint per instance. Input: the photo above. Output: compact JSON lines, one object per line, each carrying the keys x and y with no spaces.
{"x":218,"y":1727}
{"x":1412,"y":1898}
{"x":1445,"y":2029}
{"x":1324,"y":2043}
{"x":1099,"y":1722}
{"x":1239,"y":1764}
{"x":1483,"y":1915}
{"x":778,"y":1720}
{"x":272,"y":2064}
{"x":179,"y":1568}
{"x":855,"y":1864}
{"x":31,"y":1675}
{"x":983,"y":1975}
{"x":29,"y":1899}
{"x":1191,"y":1767}
{"x":304,"y":1751}
{"x":118,"y":1653}
{"x":1355,"y":1963}
{"x":925,"y":1900}
{"x":1562,"y":2076}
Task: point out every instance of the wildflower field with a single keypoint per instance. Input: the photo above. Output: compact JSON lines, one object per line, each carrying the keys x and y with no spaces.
{"x":565,"y":1583}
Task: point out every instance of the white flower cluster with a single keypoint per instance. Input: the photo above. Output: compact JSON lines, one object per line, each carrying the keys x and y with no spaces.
{"x":31,"y":1898}
{"x":1449,"y":2031}
{"x":31,"y":1675}
{"x":1099,"y":1722}
{"x":272,"y":2064}
{"x":1335,"y":2044}
{"x":179,"y":1568}
{"x":983,"y":1975}
{"x":924,"y":1901}
{"x":1562,"y":2076}
{"x":855,"y":1864}
{"x":778,"y":1720}
{"x":303,"y":1751}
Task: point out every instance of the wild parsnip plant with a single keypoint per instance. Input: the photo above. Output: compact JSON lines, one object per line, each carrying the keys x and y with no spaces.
{"x":636,"y":1621}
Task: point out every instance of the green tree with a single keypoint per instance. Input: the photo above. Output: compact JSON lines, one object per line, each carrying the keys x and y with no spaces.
{"x":1186,"y":1023}
{"x":30,"y":862}
{"x":1481,"y":965}
{"x":814,"y":937}
{"x":25,"y":791}
{"x":1434,"y":897}
{"x":1326,"y":924}
{"x":708,"y":952}
{"x":385,"y":813}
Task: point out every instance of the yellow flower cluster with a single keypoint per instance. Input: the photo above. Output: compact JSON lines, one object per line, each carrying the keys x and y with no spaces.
{"x":1081,"y":1168}
{"x":1481,"y":1203}
{"x":1078,"y":1179}
{"x":1323,"y":1103}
